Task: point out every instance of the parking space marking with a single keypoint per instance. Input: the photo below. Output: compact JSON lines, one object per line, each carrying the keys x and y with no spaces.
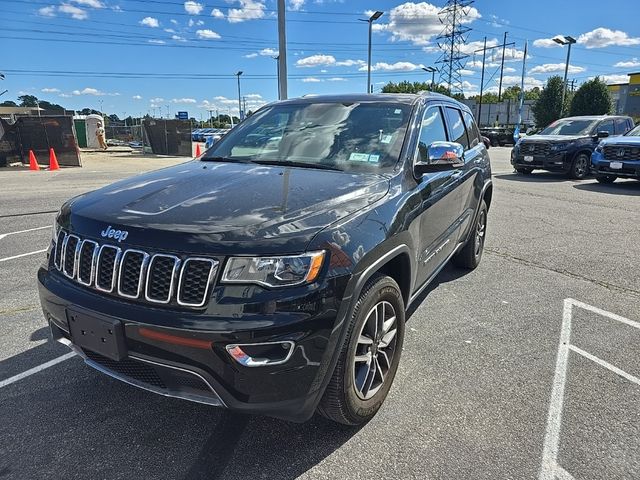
{"x":550,"y":470}
{"x":4,"y":235}
{"x":23,"y":255}
{"x":37,"y":369}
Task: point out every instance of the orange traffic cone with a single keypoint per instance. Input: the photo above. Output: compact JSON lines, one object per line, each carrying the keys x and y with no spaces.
{"x":198,"y":153}
{"x":53,"y":161}
{"x":33,"y":163}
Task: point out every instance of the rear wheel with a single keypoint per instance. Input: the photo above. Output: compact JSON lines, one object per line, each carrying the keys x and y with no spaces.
{"x":471,"y":254}
{"x":606,"y":178}
{"x":370,"y":355}
{"x":580,"y":166}
{"x":524,"y":170}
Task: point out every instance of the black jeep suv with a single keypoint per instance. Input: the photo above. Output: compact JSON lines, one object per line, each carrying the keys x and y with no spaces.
{"x":273,"y":276}
{"x":566,"y":145}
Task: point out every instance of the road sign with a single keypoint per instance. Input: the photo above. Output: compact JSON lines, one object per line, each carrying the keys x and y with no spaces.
{"x":183,"y":115}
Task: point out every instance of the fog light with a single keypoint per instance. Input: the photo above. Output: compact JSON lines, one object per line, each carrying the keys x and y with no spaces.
{"x":261,"y":354}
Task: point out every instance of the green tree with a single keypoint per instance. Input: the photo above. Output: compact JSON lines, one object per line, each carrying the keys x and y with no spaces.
{"x":547,"y":108}
{"x":28,"y":100}
{"x":8,"y":103}
{"x":592,"y":98}
{"x":416,"y":87}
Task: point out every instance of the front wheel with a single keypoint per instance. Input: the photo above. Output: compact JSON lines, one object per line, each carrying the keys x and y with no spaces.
{"x":606,"y":178}
{"x":370,"y":355}
{"x":580,"y":166}
{"x":471,"y":254}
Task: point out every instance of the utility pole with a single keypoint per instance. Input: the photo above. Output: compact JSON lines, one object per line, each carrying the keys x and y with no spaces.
{"x":244,"y":105}
{"x":451,"y":40}
{"x":282,"y":51}
{"x":239,"y":97}
{"x":516,"y":132}
{"x":484,"y":56}
{"x":504,"y":46}
{"x":277,"y":59}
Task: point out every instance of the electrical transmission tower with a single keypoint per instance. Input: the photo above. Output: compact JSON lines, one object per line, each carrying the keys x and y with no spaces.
{"x":451,"y":40}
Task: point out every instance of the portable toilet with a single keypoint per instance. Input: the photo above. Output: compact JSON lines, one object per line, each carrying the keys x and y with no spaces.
{"x":91,"y":125}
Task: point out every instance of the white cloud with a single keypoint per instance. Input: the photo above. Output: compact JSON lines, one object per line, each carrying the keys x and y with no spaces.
{"x":183,"y":100}
{"x":417,"y":22}
{"x":612,"y":79}
{"x":555,"y":67}
{"x":157,"y":100}
{"x":150,"y":22}
{"x":336,"y":79}
{"x":265,"y":52}
{"x":157,"y":42}
{"x":137,"y":97}
{"x":253,"y":96}
{"x":50,"y":90}
{"x":65,"y":95}
{"x":249,"y":10}
{"x":350,"y":63}
{"x":604,"y":37}
{"x":75,"y":12}
{"x":178,"y":38}
{"x":193,"y":8}
{"x":193,"y":22}
{"x":251,"y":55}
{"x":93,"y":91}
{"x":174,"y":21}
{"x":316,"y":61}
{"x":49,"y":11}
{"x":169,"y":30}
{"x":296,"y":5}
{"x":467,"y":72}
{"x":207,"y":34}
{"x":633,"y":63}
{"x":311,"y":80}
{"x":392,"y":67}
{"x":217,"y":13}
{"x":509,"y":70}
{"x":545,"y":43}
{"x":89,"y":3}
{"x":529,"y":82}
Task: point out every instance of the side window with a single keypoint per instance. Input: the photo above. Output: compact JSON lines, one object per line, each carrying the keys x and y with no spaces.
{"x":456,"y":127}
{"x":622,"y":126}
{"x":606,"y":126}
{"x":472,"y":129}
{"x":431,"y":130}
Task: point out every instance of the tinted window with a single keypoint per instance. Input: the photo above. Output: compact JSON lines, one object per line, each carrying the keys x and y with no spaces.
{"x":456,"y":127}
{"x":569,"y":126}
{"x":634,"y":132}
{"x":606,"y":126}
{"x":472,"y":129}
{"x":622,"y":126}
{"x":431,"y":130}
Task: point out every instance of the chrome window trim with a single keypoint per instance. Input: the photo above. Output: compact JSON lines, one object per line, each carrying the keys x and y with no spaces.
{"x":116,"y":262}
{"x":93,"y":261}
{"x":141,"y":275}
{"x":75,"y":256}
{"x":212,"y":272}
{"x":174,"y":275}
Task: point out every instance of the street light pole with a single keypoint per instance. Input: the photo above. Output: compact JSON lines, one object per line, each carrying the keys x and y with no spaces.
{"x":277,"y":59}
{"x":566,"y":40}
{"x":239,"y":97}
{"x":282,"y":50}
{"x":433,"y":71}
{"x":376,"y":15}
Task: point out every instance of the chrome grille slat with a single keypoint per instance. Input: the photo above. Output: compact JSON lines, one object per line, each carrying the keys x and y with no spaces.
{"x":156,"y":278}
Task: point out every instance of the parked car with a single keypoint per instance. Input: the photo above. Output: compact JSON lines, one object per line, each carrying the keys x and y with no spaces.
{"x":274,"y":277}
{"x":566,"y":145}
{"x":498,"y":136}
{"x":617,"y":157}
{"x":195,"y":134}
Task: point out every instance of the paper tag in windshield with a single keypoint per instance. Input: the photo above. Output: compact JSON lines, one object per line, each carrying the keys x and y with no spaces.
{"x":386,"y":138}
{"x":364,"y":157}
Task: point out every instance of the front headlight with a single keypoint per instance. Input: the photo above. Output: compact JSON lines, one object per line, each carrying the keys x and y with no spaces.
{"x":599,"y":148}
{"x":274,"y":271}
{"x":55,"y":229}
{"x":555,"y":147}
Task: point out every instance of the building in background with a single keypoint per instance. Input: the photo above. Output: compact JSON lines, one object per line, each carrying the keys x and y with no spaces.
{"x":625,"y":97}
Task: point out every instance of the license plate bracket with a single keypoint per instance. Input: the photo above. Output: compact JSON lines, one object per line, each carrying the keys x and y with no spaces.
{"x":101,"y":335}
{"x":615,"y":165}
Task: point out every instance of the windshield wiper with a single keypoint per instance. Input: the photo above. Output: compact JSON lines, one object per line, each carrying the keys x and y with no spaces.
{"x":292,"y":163}
{"x":223,"y":159}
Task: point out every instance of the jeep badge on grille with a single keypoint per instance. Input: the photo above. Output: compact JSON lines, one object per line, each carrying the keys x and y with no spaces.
{"x":118,"y":235}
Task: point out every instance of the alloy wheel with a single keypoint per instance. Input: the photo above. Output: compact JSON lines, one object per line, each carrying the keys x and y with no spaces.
{"x":481,"y":227}
{"x":581,"y":166}
{"x":375,"y":350}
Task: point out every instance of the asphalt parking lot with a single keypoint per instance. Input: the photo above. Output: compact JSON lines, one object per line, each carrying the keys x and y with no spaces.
{"x":527,"y":367}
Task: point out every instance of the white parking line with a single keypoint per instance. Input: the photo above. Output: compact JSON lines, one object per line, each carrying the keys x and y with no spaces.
{"x":3,"y":235}
{"x":37,"y":369}
{"x":22,"y":255}
{"x":550,"y":470}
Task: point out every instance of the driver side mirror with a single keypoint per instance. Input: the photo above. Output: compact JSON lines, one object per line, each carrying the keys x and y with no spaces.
{"x":441,"y":156}
{"x":602,"y":134}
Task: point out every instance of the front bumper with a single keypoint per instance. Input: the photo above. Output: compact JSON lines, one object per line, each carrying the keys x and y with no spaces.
{"x":600,"y":166}
{"x":304,"y":317}
{"x":553,"y":162}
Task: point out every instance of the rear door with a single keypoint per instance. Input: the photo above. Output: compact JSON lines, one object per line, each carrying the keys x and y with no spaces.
{"x":440,"y":202}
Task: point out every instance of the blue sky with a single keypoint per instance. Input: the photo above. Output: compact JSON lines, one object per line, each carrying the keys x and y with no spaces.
{"x":142,"y":56}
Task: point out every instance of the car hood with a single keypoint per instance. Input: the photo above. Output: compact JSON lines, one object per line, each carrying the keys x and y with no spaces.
{"x":213,"y":207}
{"x":553,"y":138}
{"x":623,"y":140}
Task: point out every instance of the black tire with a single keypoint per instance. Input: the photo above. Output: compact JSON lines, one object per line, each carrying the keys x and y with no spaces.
{"x":343,"y":401}
{"x":606,"y":178}
{"x":524,"y":170}
{"x":580,"y":166}
{"x":494,"y":142}
{"x":471,"y":254}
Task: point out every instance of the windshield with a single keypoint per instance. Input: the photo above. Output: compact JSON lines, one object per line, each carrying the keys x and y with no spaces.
{"x":634,"y":132}
{"x":569,"y":126}
{"x":345,"y":136}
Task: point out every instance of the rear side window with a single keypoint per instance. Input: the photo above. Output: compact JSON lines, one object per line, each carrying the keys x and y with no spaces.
{"x":622,"y":126}
{"x":472,"y":129}
{"x":456,"y":127}
{"x":606,"y":126}
{"x":431,"y":130}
